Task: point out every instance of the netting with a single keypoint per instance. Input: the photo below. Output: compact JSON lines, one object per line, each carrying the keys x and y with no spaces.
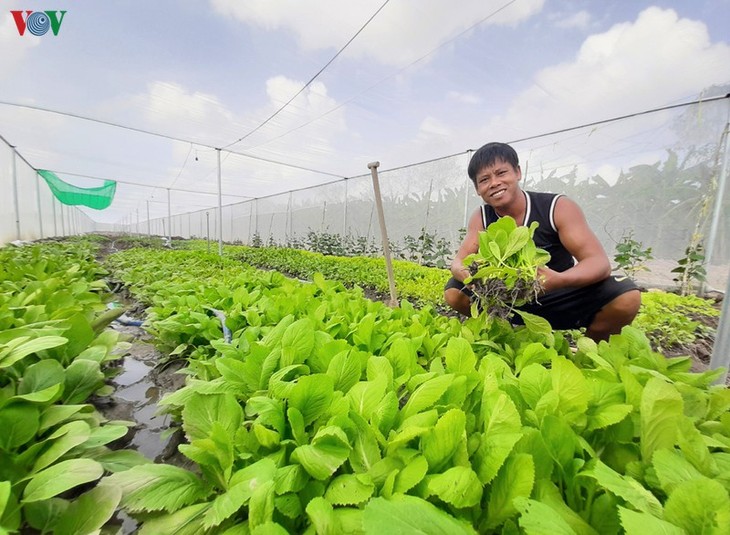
{"x":650,"y":177}
{"x":97,"y":198}
{"x":655,"y":177}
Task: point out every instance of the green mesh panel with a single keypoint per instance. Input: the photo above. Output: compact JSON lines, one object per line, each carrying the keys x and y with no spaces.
{"x":97,"y":198}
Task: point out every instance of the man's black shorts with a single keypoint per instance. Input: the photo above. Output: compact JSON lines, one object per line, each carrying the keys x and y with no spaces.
{"x":568,"y":308}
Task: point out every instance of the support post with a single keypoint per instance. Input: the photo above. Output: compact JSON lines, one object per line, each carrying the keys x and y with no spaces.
{"x":383,"y":231}
{"x":169,"y":220}
{"x":16,"y":204}
{"x":220,"y":206}
{"x":149,"y":223}
{"x":717,"y":210}
{"x":720,"y":357}
{"x":38,"y":203}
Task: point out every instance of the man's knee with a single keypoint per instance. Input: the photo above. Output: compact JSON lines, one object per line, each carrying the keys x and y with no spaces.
{"x":626,"y":306}
{"x":457,"y":300}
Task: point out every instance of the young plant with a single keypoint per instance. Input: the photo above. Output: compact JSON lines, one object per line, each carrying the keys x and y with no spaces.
{"x":630,"y":255}
{"x":504,"y":270}
{"x":690,"y":268}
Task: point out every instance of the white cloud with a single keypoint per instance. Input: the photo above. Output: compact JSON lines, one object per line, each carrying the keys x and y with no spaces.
{"x":653,"y":61}
{"x":464,"y":98}
{"x":580,"y":20}
{"x":391,"y":37}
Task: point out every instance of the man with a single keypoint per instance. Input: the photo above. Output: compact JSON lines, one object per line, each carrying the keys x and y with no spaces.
{"x":579,"y":290}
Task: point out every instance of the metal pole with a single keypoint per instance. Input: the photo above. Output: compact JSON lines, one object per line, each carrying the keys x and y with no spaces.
{"x":149,"y":223}
{"x":63,"y":221}
{"x":16,"y":204}
{"x":383,"y":231}
{"x":169,"y":220}
{"x":207,"y":228}
{"x":721,"y":348}
{"x":137,"y":210}
{"x":719,"y":198}
{"x":55,"y":221}
{"x":288,"y":226}
{"x":220,"y":206}
{"x":38,"y":202}
{"x":344,"y":213}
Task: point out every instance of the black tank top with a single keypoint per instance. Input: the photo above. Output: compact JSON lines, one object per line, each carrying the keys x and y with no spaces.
{"x":540,"y":208}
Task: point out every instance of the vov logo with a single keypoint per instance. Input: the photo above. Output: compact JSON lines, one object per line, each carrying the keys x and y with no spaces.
{"x":38,"y":22}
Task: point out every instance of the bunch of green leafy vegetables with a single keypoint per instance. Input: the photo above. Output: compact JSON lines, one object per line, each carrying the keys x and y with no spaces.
{"x":53,"y":347}
{"x":504,"y":269}
{"x":328,"y":414}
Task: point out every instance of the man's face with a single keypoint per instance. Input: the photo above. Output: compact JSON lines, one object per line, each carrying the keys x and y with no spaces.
{"x":496,"y":184}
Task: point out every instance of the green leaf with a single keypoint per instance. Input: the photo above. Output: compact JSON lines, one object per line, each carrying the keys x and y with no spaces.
{"x":537,"y":325}
{"x":366,"y":395}
{"x":365,"y":451}
{"x":261,"y":507}
{"x":90,"y":511}
{"x":201,"y":411}
{"x":345,"y":370}
{"x":83,"y":377}
{"x":61,"y":477}
{"x":411,"y":474}
{"x":120,"y":460}
{"x":19,"y":423}
{"x":409,"y":515}
{"x":158,"y":487}
{"x":458,"y":486}
{"x":699,"y":506}
{"x":572,"y":388}
{"x":672,"y":469}
{"x":41,"y":375}
{"x":547,"y":493}
{"x":459,"y":356}
{"x":661,"y":412}
{"x":440,"y":444}
{"x":322,"y":517}
{"x":61,"y":441}
{"x":627,"y":488}
{"x":290,"y":478}
{"x":328,"y":450}
{"x":502,"y":430}
{"x":534,"y":382}
{"x":533,"y":353}
{"x":350,"y":489}
{"x":559,"y":439}
{"x":312,"y":396}
{"x":185,"y":521}
{"x":536,"y":518}
{"x":5,"y":487}
{"x":426,"y":395}
{"x":25,"y":347}
{"x":43,"y":515}
{"x":635,"y":523}
{"x":514,"y":480}
{"x":297,"y":342}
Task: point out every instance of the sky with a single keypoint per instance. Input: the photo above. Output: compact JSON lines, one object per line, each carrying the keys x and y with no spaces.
{"x":310,"y":92}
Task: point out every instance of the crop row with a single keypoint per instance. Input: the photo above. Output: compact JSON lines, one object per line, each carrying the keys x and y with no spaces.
{"x":54,"y":347}
{"x":318,"y":411}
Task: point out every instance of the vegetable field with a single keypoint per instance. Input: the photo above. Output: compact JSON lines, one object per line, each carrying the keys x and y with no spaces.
{"x":308,"y":408}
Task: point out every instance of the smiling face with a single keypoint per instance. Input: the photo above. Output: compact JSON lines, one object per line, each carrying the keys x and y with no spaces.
{"x":497,"y":185}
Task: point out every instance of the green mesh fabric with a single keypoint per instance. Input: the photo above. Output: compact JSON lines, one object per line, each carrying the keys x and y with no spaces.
{"x":97,"y":198}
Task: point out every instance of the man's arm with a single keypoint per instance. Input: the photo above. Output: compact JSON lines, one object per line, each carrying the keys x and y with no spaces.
{"x":580,"y":241}
{"x":470,"y":245}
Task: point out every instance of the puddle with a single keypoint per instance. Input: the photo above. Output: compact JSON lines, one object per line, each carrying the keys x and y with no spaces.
{"x":138,"y":388}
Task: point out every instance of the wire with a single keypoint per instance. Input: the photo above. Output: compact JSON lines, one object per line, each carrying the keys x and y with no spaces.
{"x":340,"y":51}
{"x":157,"y":134}
{"x":391,"y":75}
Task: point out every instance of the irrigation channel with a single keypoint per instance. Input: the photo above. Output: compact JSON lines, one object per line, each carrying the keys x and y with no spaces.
{"x":140,"y":382}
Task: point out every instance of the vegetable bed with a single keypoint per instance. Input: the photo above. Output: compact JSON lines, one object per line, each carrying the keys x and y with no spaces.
{"x":310,"y":409}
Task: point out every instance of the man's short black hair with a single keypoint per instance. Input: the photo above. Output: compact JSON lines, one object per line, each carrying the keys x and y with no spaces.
{"x":490,"y":153}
